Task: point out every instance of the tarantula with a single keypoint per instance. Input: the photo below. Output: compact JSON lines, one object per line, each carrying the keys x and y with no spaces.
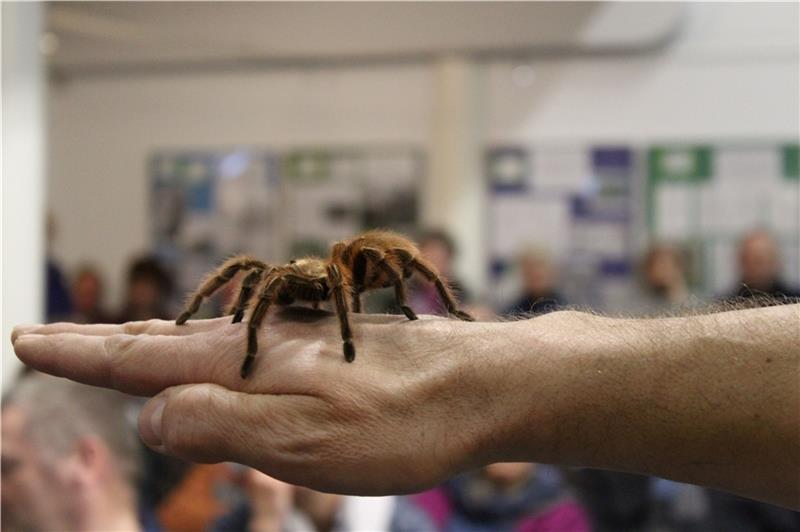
{"x":375,"y":259}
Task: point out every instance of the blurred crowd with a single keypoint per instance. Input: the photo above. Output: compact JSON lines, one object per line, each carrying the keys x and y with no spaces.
{"x":71,"y":459}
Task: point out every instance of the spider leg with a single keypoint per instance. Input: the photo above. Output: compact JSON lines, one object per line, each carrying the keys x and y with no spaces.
{"x":378,"y":259}
{"x":429,"y":272}
{"x":265,"y":297}
{"x":359,"y":272}
{"x":245,"y":293}
{"x":340,"y":304}
{"x":215,"y":281}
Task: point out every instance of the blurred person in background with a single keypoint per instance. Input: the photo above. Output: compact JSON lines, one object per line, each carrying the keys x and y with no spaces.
{"x":624,"y":501}
{"x":268,"y":506}
{"x":70,"y":458}
{"x":58,"y":305}
{"x":438,"y":247}
{"x":87,"y":296}
{"x":737,"y":514}
{"x":760,"y":269}
{"x":619,"y":501}
{"x":166,"y":480}
{"x":272,"y":505}
{"x":149,"y":290}
{"x":500,"y":497}
{"x":539,"y":294}
{"x":663,"y":280}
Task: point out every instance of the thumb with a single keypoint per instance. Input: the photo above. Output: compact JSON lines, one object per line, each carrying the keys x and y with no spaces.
{"x":207,"y":423}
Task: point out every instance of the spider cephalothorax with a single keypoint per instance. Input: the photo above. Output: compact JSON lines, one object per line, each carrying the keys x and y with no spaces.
{"x":375,"y":259}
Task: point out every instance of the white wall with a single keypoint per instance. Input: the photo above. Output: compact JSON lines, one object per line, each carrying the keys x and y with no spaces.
{"x":103,"y":131}
{"x":731,"y":74}
{"x":23,"y":173}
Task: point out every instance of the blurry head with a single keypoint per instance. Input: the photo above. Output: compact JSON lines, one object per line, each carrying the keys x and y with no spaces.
{"x":320,"y":508}
{"x":87,"y":290}
{"x":439,"y":248}
{"x":69,"y":456}
{"x":538,"y":272}
{"x":664,"y":270}
{"x":759,"y":260}
{"x":149,"y":284}
{"x":508,"y":474}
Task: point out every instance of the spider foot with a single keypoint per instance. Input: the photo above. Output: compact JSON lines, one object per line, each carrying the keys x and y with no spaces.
{"x":183,"y":318}
{"x":460,"y":314}
{"x":246,"y":365}
{"x":410,"y":314}
{"x":349,"y":350}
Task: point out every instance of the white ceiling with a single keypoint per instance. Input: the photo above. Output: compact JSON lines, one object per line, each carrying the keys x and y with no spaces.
{"x":97,"y":37}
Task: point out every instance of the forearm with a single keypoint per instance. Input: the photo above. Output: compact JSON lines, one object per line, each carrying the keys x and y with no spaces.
{"x":712,"y":400}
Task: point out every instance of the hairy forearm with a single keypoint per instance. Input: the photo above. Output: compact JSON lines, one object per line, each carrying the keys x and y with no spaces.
{"x":712,"y":400}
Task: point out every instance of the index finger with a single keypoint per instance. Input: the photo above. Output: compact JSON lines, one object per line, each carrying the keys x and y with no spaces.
{"x":135,"y":364}
{"x":159,"y":327}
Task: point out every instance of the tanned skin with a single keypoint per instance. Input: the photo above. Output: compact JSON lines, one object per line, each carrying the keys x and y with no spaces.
{"x":711,"y":399}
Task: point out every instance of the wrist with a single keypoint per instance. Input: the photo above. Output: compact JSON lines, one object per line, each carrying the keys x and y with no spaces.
{"x":544,"y":386}
{"x":511,"y":385}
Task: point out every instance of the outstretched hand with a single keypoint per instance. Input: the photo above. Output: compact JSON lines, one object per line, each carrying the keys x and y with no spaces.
{"x":691,"y":399}
{"x":398,"y":419}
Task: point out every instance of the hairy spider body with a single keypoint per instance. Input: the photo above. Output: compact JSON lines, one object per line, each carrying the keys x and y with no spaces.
{"x":373,"y":260}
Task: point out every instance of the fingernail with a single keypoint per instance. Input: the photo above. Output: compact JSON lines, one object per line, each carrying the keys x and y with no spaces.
{"x":25,"y":328}
{"x":150,"y":422}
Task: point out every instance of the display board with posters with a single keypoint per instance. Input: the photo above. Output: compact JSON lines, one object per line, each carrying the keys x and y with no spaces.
{"x":208,"y":205}
{"x":571,"y":202}
{"x":707,"y":196}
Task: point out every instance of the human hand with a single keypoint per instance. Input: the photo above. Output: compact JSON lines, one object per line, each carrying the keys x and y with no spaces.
{"x":421,"y":402}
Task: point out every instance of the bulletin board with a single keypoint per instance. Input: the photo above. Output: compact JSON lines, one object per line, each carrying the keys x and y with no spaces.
{"x":592,"y":207}
{"x":706,"y":196}
{"x":332,"y":194}
{"x":575,"y":202}
{"x":207,"y":205}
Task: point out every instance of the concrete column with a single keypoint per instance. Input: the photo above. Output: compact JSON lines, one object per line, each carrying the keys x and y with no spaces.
{"x":454,"y":192}
{"x":23,"y":172}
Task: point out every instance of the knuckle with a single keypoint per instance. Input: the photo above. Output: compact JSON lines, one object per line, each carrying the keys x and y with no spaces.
{"x":117,"y":350}
{"x":140,"y":327}
{"x":151,"y":326}
{"x":132,"y":327}
{"x":118,"y":345}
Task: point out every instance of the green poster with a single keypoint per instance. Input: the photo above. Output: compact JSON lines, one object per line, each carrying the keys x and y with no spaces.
{"x":689,"y":164}
{"x":307,"y":166}
{"x":791,"y":161}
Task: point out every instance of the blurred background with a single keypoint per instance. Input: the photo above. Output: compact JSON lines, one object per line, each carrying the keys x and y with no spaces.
{"x":632,"y":158}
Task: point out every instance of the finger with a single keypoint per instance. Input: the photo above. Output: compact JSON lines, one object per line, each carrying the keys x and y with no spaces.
{"x":140,"y":365}
{"x":209,"y":423}
{"x":155,"y":327}
{"x":21,"y":329}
